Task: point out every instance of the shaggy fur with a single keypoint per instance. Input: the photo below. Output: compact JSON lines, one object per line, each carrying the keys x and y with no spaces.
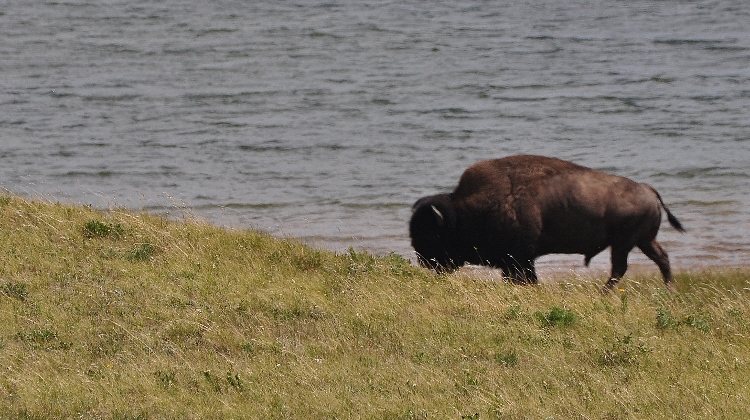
{"x":506,"y":212}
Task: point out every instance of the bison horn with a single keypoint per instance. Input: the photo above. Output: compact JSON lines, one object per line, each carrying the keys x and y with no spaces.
{"x":439,"y":215}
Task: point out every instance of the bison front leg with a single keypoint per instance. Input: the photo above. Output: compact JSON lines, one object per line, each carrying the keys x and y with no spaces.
{"x":619,"y":267}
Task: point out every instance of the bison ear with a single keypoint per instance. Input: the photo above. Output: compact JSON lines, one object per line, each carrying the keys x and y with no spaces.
{"x":438,"y":216}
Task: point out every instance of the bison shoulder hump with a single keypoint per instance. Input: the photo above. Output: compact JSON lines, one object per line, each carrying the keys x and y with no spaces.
{"x":512,"y":175}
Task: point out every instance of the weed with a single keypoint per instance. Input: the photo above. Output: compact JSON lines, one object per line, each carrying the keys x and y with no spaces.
{"x":400,"y":266}
{"x":421,"y":357}
{"x":212,"y":381}
{"x":15,"y":289}
{"x":308,"y":261}
{"x":42,"y":339}
{"x":248,"y":348}
{"x":276,"y":257}
{"x":37,"y":336}
{"x":556,"y":317}
{"x":166,"y":379}
{"x":184,"y":333}
{"x":468,"y":381}
{"x":142,"y":252}
{"x":700,"y":321}
{"x":361,"y":263}
{"x":664,"y":319}
{"x":129,"y":416}
{"x":235,"y":381}
{"x":97,"y":229}
{"x":623,"y":351}
{"x":507,"y":358}
{"x":218,"y":386}
{"x":514,"y":312}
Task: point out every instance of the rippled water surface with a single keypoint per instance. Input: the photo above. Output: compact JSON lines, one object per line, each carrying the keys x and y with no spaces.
{"x":327,"y":120}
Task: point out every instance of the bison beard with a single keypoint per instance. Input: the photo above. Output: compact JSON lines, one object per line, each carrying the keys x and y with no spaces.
{"x":505,"y":213}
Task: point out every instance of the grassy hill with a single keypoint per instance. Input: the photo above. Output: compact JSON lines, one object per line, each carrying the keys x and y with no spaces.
{"x":116,"y":314}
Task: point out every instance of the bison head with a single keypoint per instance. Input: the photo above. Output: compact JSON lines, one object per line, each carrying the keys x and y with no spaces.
{"x":432,"y":229}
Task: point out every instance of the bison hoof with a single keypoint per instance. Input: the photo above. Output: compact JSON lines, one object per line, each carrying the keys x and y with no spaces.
{"x":609,"y":285}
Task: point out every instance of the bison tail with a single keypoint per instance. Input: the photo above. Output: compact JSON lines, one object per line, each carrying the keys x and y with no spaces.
{"x":670,"y":217}
{"x":673,"y":221}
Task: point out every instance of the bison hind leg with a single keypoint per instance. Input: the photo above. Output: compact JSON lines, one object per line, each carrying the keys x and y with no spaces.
{"x":657,"y":254}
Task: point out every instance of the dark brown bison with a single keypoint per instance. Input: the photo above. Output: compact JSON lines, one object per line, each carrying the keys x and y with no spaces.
{"x":507,"y":212}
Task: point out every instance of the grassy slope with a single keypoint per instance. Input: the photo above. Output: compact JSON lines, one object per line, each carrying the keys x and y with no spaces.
{"x":117,"y":314}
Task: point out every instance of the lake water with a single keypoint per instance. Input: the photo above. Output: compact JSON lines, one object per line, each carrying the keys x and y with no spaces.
{"x":326,"y":120}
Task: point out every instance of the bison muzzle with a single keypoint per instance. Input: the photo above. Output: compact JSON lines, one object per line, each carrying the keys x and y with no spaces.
{"x":506,"y":212}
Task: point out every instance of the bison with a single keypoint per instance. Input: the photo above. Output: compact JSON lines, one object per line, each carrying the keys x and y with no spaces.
{"x":506,"y":212}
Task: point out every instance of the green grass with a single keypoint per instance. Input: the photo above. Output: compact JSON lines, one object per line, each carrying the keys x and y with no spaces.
{"x":123,"y":315}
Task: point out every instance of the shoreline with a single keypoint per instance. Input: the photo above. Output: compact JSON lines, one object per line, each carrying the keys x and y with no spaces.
{"x":554,"y":265}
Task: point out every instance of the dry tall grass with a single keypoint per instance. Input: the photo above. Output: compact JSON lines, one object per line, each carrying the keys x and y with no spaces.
{"x":123,"y":315}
